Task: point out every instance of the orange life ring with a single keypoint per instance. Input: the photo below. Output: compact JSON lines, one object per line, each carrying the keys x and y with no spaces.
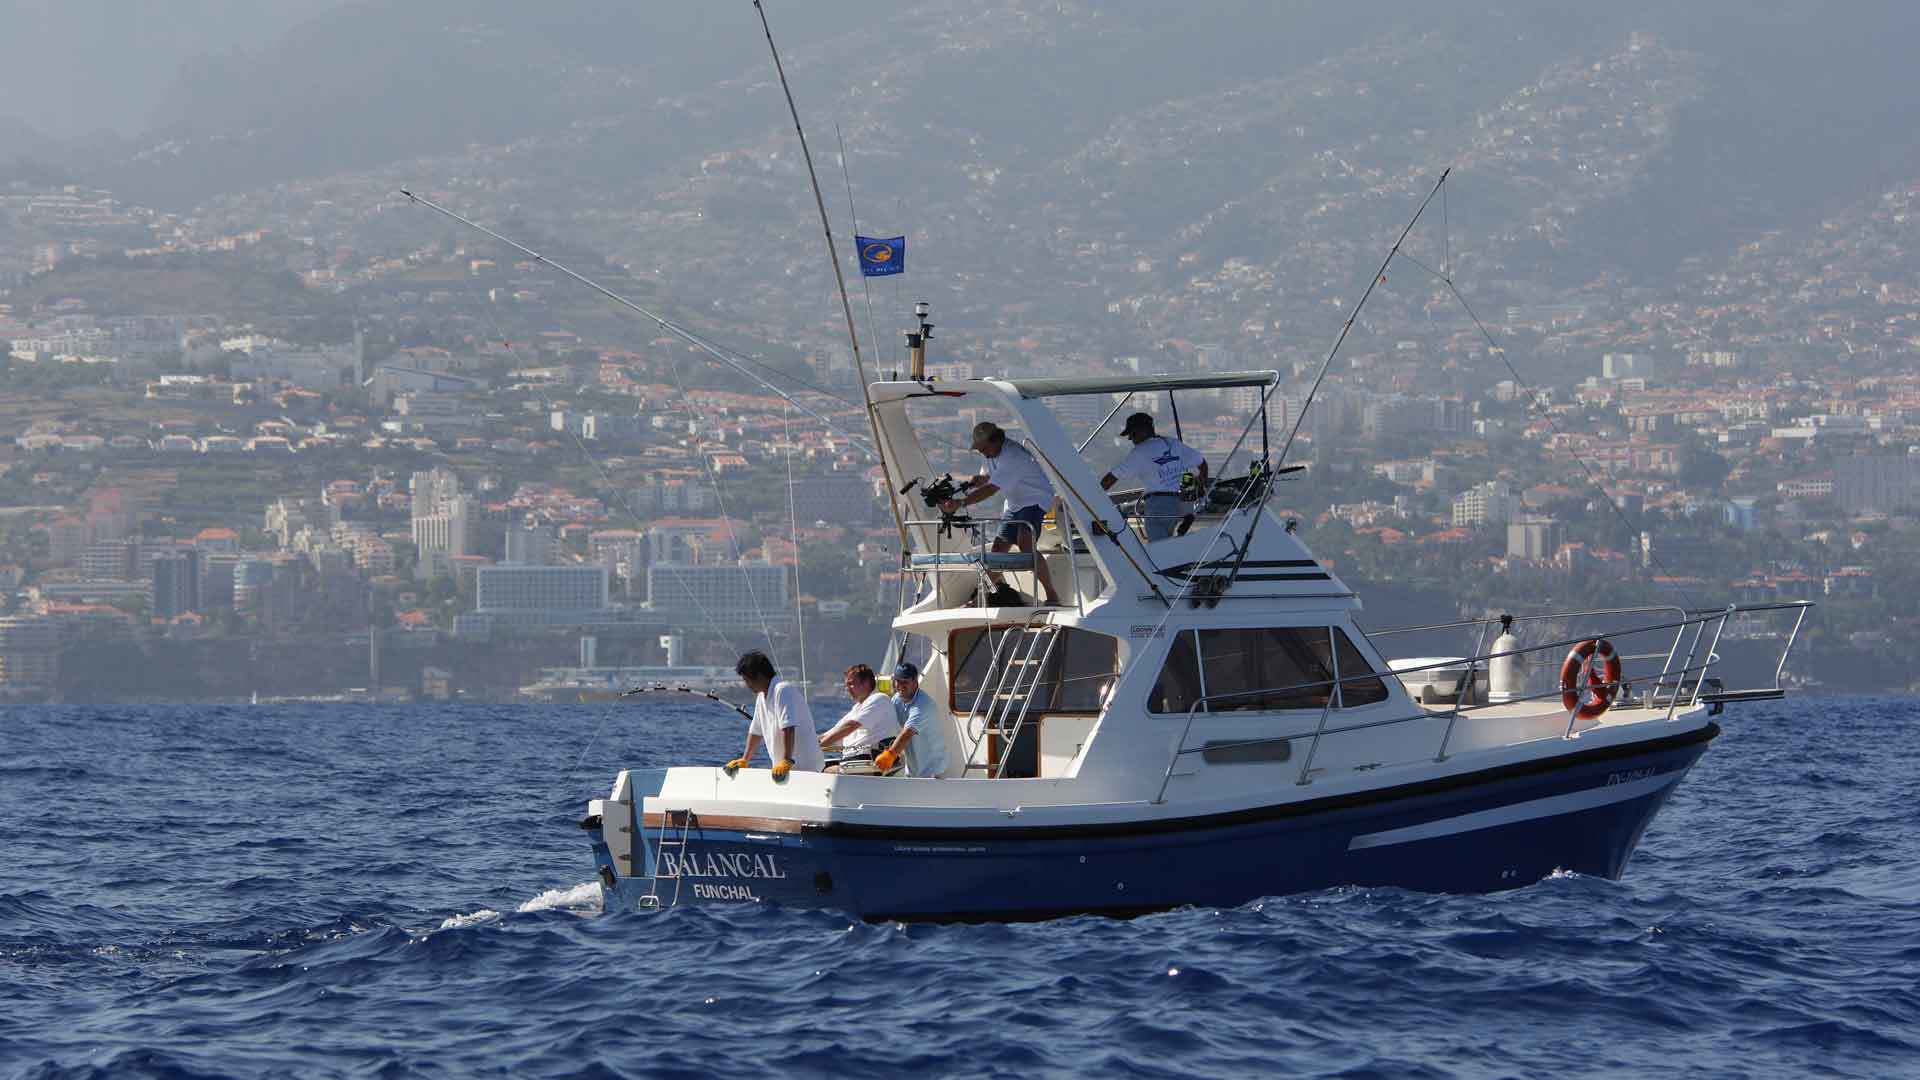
{"x":1603,"y":679}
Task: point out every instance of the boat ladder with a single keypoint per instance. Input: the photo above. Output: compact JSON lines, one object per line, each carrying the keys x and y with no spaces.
{"x":668,"y":819}
{"x":1015,"y":671}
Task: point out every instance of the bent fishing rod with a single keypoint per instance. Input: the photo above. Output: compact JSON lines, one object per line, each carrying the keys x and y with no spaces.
{"x":661,"y":321}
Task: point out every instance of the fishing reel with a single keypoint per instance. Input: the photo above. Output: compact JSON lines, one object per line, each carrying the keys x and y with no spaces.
{"x":1248,"y":490}
{"x":933,"y":492}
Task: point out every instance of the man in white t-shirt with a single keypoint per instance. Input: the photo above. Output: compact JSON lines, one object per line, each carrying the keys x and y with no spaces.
{"x":1158,"y":464}
{"x":1011,"y":469}
{"x":868,"y":726}
{"x":781,"y":719}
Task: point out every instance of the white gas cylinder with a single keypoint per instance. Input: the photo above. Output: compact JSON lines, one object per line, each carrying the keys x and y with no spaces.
{"x":1506,"y":675}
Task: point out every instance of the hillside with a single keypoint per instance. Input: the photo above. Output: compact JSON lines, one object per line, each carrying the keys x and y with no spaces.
{"x":1090,"y":161}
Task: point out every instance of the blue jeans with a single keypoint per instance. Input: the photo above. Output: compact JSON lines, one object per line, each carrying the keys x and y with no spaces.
{"x":1162,"y":511}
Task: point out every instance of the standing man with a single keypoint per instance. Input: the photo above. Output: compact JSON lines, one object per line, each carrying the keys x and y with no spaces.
{"x":865,"y":729}
{"x":1158,"y":464}
{"x":780,"y":719}
{"x":920,"y":740}
{"x":1011,"y":468}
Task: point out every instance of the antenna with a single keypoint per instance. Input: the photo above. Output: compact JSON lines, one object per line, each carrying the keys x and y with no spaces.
{"x":917,"y":339}
{"x":833,"y":256}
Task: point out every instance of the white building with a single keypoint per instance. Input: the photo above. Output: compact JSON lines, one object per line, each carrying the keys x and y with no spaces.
{"x":442,"y":535}
{"x":1490,"y":503}
{"x":535,"y":595}
{"x":738,"y":594}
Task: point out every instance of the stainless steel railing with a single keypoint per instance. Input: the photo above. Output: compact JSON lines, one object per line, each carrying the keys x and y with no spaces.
{"x":981,"y":533}
{"x":1686,"y":682}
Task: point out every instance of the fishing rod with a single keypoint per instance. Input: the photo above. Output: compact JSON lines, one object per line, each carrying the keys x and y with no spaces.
{"x":661,"y":321}
{"x":833,"y":256}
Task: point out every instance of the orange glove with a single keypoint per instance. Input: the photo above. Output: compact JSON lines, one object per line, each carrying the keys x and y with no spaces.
{"x":781,"y":768}
{"x":735,"y":765}
{"x":885,"y":761}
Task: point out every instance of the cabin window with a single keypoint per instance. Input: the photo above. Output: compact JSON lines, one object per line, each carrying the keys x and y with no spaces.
{"x":1358,"y":684}
{"x":1259,"y":670}
{"x":1080,"y":671}
{"x":1178,"y":687}
{"x":1262,"y":670}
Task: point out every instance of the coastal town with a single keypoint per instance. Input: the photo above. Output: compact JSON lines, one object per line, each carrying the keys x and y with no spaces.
{"x":314,"y":442}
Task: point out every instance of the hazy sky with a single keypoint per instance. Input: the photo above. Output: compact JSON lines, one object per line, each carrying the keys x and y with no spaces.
{"x":73,"y":67}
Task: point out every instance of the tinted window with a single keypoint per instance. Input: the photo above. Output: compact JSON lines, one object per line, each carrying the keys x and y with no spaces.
{"x":1265,"y":669}
{"x":1080,"y":671}
{"x":1179,"y":684}
{"x":1365,"y":690}
{"x":1259,"y":670}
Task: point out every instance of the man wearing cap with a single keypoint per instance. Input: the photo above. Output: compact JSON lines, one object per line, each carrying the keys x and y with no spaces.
{"x":1157,"y":463}
{"x":1012,"y":469}
{"x":920,"y":741}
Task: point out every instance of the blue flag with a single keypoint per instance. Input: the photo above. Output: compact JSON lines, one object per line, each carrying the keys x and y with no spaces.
{"x":880,"y":256}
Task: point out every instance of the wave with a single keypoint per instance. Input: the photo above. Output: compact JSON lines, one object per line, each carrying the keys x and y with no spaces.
{"x":584,"y":898}
{"x":223,"y":915}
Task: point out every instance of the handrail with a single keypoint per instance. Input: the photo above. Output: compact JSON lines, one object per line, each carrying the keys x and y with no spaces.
{"x":1390,"y":631}
{"x":1454,"y":662}
{"x":977,"y":528}
{"x":1366,"y":725}
{"x":1772,"y":605}
{"x":1677,"y":679}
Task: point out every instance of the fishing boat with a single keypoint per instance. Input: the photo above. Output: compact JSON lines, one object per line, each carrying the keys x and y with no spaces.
{"x":1203,"y":719}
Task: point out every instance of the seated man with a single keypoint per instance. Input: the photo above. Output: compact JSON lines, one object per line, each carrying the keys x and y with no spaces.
{"x":920,"y":740}
{"x":867,"y":727}
{"x":1157,"y":464}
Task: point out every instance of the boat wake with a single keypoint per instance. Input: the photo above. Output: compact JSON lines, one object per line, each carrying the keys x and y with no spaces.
{"x":582,"y":899}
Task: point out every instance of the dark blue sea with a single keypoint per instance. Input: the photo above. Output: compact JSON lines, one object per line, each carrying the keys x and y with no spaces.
{"x":395,"y":892}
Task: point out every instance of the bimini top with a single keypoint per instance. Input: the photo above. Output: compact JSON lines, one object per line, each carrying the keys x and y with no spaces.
{"x":1120,"y":384}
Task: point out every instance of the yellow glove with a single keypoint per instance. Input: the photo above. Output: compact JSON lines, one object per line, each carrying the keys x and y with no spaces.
{"x":735,"y":765}
{"x":781,"y":768}
{"x":885,"y":761}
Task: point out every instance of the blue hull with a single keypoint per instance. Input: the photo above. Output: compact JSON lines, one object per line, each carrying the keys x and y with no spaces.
{"x":1499,"y":829}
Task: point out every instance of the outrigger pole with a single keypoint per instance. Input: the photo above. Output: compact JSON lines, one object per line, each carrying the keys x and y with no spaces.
{"x":1379,"y":276}
{"x":839,"y":275}
{"x":661,"y":321}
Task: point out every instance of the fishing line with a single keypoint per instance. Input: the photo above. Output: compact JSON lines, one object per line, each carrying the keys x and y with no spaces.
{"x":720,"y":496}
{"x":793,"y":532}
{"x":715,"y":351}
{"x":1535,"y":400}
{"x":853,"y":216}
{"x":626,"y":502}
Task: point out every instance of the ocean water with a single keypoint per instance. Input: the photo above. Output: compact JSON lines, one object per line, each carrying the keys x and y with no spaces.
{"x":395,"y":892}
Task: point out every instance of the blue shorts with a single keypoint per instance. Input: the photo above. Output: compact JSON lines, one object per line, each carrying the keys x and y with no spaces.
{"x":1011,"y":529}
